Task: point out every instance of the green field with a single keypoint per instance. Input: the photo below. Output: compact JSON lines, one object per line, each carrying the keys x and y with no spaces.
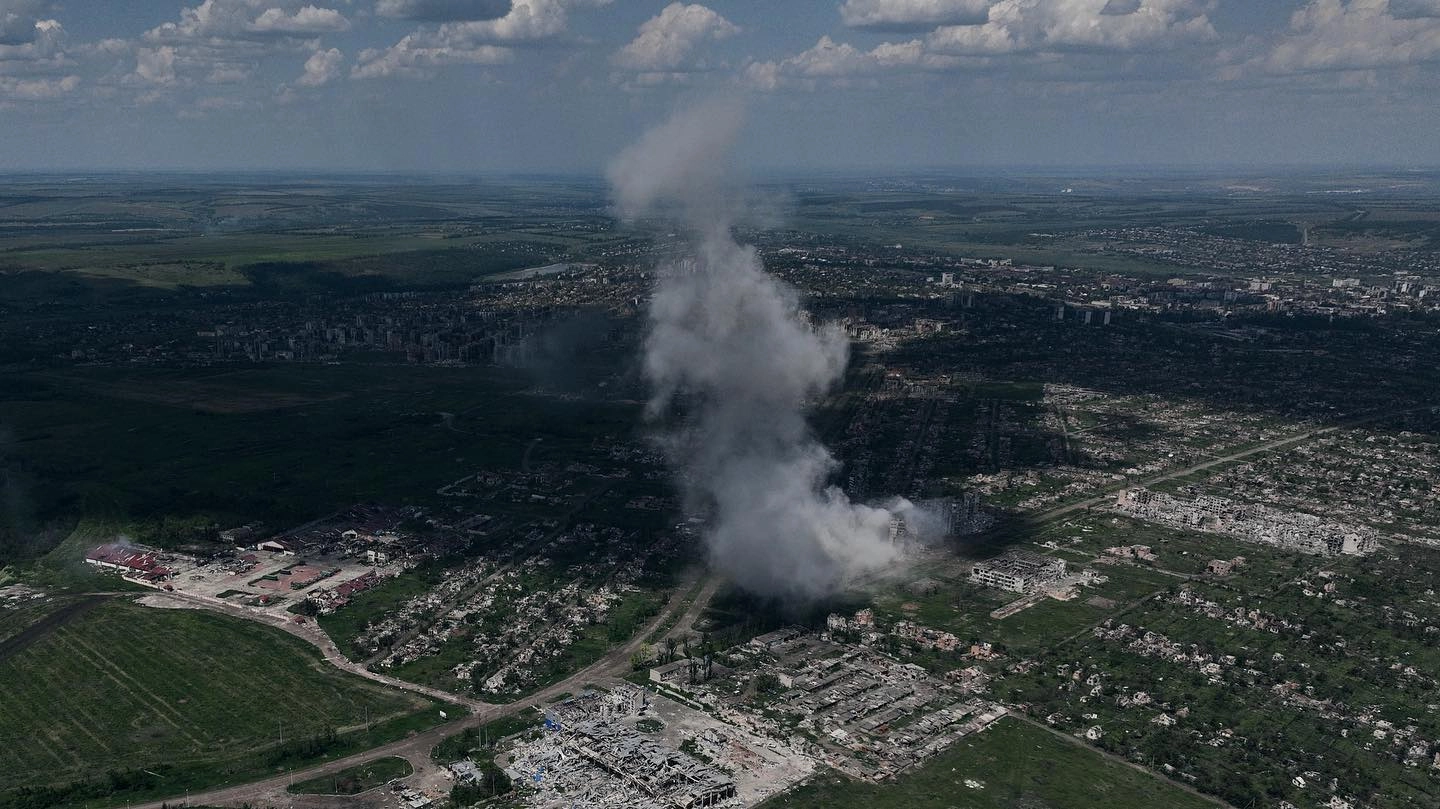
{"x":196,"y":699}
{"x":1017,"y":765}
{"x":357,"y":779}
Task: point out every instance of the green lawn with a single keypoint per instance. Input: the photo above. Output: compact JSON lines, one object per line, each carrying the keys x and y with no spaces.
{"x":357,"y":779}
{"x":194,"y":698}
{"x":1016,"y":764}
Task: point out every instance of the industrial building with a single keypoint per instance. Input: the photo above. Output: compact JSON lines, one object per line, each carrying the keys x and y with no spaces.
{"x":133,"y":561}
{"x":1018,"y":571}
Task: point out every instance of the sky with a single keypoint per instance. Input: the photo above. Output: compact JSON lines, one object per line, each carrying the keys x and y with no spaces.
{"x":489,"y":86}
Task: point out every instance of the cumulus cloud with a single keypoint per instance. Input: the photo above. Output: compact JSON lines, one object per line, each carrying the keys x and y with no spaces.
{"x":31,"y":45}
{"x":44,"y":46}
{"x":18,"y":19}
{"x":1357,"y":35}
{"x":1039,"y":29}
{"x":247,"y":19}
{"x":443,"y":10}
{"x":1044,"y":25}
{"x":828,"y":59}
{"x":112,"y":46}
{"x":224,"y":41}
{"x":417,"y":55}
{"x":665,"y":40}
{"x":476,"y":42}
{"x":322,"y":67}
{"x":18,"y":89}
{"x":34,"y":63}
{"x":229,"y":74}
{"x":305,"y":21}
{"x":913,"y":15}
{"x":155,"y":65}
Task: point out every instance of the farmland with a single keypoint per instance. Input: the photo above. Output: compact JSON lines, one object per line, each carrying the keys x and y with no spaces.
{"x":197,"y":699}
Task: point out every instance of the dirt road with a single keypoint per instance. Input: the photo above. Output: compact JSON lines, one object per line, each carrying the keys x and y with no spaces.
{"x":310,"y":633}
{"x":416,"y":749}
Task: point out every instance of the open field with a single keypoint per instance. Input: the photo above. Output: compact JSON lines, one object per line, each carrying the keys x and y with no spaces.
{"x":191,"y":232}
{"x":1014,"y":765}
{"x":196,"y":698}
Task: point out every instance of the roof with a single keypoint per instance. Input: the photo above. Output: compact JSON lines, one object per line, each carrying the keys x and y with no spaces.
{"x":121,"y":555}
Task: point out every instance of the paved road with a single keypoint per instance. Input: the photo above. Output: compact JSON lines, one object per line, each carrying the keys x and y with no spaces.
{"x":416,"y":749}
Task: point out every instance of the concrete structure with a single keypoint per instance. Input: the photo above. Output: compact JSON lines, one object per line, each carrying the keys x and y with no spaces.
{"x":1018,"y":571}
{"x":667,"y":777}
{"x":1252,"y":522}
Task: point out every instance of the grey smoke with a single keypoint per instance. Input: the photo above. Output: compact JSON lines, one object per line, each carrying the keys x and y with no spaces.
{"x":729,"y":346}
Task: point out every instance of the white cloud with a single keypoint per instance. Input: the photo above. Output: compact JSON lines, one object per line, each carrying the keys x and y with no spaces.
{"x":224,"y":41}
{"x":155,"y":65}
{"x":106,"y":47}
{"x":829,"y":59}
{"x":528,"y":20}
{"x":247,"y":19}
{"x":1054,"y":25}
{"x":443,"y":10}
{"x":34,"y":63}
{"x":306,"y":21}
{"x":42,"y":49}
{"x":1041,"y":30}
{"x":1356,"y":35}
{"x":18,"y":18}
{"x":15,"y":89}
{"x":229,"y":74}
{"x":416,"y":56}
{"x":321,"y":67}
{"x":909,"y":15}
{"x":476,"y":42}
{"x":665,"y":40}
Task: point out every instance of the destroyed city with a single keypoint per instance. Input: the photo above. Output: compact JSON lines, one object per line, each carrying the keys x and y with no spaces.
{"x":637,"y":404}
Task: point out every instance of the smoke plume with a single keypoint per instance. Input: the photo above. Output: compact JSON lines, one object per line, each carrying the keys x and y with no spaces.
{"x":733,"y":362}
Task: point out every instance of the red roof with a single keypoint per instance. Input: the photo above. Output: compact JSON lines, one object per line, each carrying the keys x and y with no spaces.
{"x":114,"y":553}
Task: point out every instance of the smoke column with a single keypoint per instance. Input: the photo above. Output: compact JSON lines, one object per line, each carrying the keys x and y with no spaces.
{"x":731,"y":347}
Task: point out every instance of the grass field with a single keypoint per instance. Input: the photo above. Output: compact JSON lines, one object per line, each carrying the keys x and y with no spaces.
{"x":357,"y":779}
{"x":1016,"y":765}
{"x":199,"y":699}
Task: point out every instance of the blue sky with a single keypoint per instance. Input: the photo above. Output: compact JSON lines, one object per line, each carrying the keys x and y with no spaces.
{"x":561,"y":85}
